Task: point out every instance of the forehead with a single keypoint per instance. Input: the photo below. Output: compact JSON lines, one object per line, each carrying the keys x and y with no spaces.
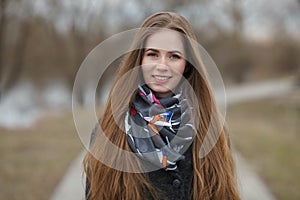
{"x":166,"y":39}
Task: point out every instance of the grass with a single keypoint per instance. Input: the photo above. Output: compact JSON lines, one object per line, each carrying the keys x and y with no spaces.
{"x":34,"y":160}
{"x":267,"y":134}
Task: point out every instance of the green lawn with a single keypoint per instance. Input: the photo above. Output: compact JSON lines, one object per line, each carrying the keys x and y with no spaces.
{"x":34,"y":160}
{"x":267,"y":134}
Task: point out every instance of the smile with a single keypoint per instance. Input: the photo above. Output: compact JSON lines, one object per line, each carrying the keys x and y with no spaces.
{"x":162,"y":78}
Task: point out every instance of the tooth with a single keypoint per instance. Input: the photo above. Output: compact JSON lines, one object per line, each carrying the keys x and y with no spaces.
{"x":161,"y":77}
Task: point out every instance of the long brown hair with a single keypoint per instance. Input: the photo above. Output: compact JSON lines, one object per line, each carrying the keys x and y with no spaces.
{"x":214,"y":173}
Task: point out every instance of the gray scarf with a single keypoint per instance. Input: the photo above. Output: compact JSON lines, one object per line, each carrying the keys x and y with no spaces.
{"x":159,"y":130}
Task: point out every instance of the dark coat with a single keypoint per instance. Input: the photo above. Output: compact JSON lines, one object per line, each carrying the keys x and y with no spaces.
{"x":170,"y":185}
{"x":175,"y":185}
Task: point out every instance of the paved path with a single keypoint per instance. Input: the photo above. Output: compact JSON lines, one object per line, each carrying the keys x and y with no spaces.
{"x":250,"y":185}
{"x":259,"y":90}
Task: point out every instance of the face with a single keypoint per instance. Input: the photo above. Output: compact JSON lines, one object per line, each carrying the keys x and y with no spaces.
{"x":163,"y":62}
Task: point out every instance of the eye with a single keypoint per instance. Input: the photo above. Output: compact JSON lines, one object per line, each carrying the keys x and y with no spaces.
{"x":175,"y":56}
{"x":151,"y":54}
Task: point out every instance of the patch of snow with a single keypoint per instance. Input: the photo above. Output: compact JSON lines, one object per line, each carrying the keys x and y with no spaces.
{"x":23,"y":105}
{"x":57,"y":95}
{"x":18,"y":107}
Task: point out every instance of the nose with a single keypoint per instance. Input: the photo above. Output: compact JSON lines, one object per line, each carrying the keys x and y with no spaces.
{"x":162,"y":63}
{"x":161,"y":67}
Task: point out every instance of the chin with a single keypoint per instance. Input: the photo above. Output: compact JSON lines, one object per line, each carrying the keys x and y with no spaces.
{"x":159,"y":89}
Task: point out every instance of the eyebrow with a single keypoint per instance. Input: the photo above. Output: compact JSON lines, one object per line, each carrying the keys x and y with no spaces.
{"x":156,"y":50}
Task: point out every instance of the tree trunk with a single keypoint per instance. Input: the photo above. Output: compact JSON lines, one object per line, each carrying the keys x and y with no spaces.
{"x":19,"y":54}
{"x":2,"y":32}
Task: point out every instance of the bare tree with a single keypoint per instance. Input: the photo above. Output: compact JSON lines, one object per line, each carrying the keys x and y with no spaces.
{"x":11,"y":71}
{"x":2,"y":32}
{"x":238,"y":60}
{"x":19,"y":53}
{"x":79,"y":37}
{"x":298,"y":72}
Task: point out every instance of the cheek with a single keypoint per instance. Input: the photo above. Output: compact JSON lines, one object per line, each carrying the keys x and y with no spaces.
{"x":146,"y":70}
{"x":145,"y":65}
{"x":179,"y":69}
{"x":143,"y":61}
{"x":146,"y":60}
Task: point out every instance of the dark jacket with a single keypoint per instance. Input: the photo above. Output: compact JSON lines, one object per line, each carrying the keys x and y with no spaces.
{"x":170,"y":185}
{"x":177,"y":184}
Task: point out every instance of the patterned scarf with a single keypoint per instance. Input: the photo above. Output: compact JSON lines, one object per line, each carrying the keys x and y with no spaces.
{"x":159,"y":130}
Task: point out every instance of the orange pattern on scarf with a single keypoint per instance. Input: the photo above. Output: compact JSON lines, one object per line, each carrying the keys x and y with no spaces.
{"x":154,"y":129}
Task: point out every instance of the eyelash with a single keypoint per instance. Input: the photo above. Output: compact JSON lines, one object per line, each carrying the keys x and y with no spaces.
{"x":174,"y":56}
{"x":151,"y":54}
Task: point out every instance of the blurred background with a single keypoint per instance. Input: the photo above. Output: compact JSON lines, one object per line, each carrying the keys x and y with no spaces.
{"x":44,"y":42}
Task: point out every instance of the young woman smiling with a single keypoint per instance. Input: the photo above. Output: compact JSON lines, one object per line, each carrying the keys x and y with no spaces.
{"x":162,"y":123}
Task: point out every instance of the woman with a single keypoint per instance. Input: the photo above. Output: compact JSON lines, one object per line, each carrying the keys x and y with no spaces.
{"x":164,"y":121}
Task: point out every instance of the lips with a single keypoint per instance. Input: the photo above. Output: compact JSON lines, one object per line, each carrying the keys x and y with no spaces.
{"x":161,"y":78}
